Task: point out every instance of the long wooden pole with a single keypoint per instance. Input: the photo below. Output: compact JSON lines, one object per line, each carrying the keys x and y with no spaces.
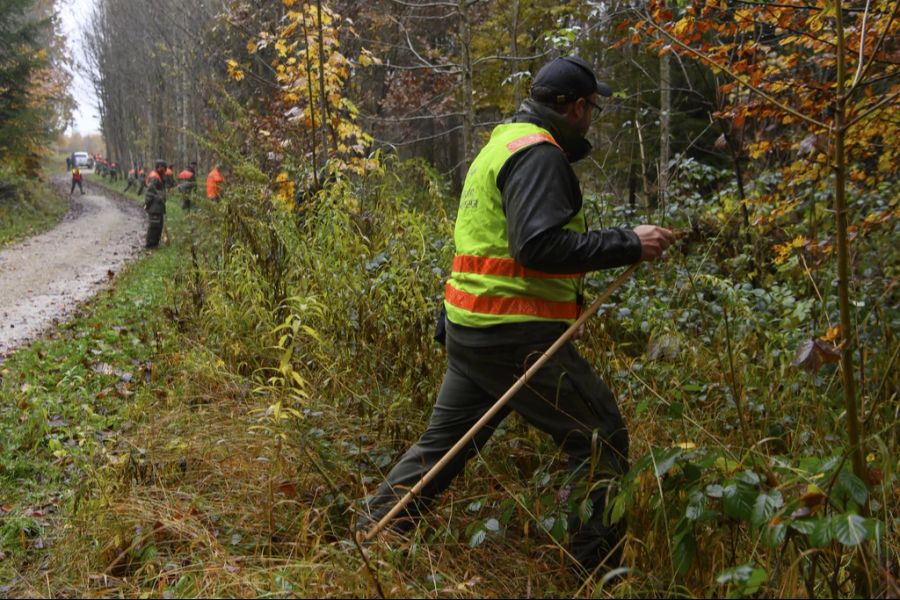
{"x":518,"y":385}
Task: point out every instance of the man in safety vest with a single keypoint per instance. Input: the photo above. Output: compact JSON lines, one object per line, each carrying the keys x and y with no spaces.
{"x":188,"y":179}
{"x":76,"y":180}
{"x":214,"y":183}
{"x":155,"y":203}
{"x":522,"y":248}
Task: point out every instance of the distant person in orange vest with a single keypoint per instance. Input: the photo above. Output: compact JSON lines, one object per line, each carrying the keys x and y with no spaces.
{"x":169,"y":178}
{"x":214,"y":183}
{"x":188,"y":179}
{"x":155,"y":203}
{"x":142,"y":178}
{"x":76,"y":180}
{"x":132,"y":178}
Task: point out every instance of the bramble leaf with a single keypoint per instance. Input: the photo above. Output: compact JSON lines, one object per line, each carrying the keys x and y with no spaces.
{"x":738,"y":499}
{"x":850,"y":529}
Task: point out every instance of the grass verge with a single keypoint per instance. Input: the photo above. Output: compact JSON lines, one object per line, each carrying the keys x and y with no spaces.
{"x":28,"y":207}
{"x":68,"y":400}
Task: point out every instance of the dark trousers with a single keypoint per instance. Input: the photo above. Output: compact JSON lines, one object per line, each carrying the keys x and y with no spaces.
{"x":154,"y":230}
{"x":564,"y":399}
{"x":78,"y":183}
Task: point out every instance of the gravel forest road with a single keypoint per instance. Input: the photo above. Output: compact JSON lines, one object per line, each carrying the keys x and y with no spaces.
{"x":44,"y":278}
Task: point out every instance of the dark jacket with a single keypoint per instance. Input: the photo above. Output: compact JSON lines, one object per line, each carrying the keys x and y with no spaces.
{"x":541,"y":194}
{"x":155,"y":196}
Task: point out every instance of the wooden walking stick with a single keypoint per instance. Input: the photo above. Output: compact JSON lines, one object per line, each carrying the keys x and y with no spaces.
{"x":518,"y":385}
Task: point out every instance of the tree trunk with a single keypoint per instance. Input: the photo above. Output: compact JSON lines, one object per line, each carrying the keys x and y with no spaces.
{"x":514,"y":34}
{"x":311,"y":108}
{"x":465,"y":33}
{"x":665,"y":111}
{"x":326,"y":120}
{"x":848,"y":347}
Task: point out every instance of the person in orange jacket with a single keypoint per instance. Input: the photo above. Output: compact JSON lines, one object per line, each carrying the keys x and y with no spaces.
{"x":214,"y":183}
{"x":188,"y":179}
{"x":76,"y":180}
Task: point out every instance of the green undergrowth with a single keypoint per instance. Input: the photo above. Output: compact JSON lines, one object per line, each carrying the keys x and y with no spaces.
{"x":27,"y":206}
{"x":296,"y":364}
{"x":68,"y":401}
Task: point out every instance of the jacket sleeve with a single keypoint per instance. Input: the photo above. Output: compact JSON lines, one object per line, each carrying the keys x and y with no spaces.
{"x":541,"y":195}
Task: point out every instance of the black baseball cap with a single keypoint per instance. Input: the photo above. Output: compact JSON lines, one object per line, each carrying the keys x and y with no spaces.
{"x":566,"y":79}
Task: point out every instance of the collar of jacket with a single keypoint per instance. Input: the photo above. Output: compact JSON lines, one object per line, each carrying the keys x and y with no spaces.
{"x":575,"y":146}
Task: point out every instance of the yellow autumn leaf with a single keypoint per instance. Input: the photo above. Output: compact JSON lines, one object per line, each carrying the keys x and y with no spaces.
{"x":832,"y":334}
{"x":234,"y":71}
{"x":743,"y":16}
{"x":684,"y":25}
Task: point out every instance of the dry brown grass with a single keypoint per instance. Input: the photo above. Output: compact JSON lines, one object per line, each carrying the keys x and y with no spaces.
{"x":196,"y":501}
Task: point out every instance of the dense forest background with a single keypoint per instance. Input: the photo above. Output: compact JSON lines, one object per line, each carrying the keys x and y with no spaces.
{"x":756,"y":367}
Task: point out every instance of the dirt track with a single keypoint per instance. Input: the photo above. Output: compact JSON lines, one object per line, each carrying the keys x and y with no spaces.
{"x":44,"y":278}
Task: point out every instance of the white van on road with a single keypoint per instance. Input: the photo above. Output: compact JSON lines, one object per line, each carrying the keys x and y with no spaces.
{"x":82,"y":159}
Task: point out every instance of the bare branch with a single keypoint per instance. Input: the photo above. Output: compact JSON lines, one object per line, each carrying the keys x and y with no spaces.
{"x":875,"y":49}
{"x":426,"y":4}
{"x":862,"y":48}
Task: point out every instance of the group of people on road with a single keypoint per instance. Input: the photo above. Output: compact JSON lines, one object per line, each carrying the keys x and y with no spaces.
{"x":154,"y":185}
{"x":106,"y":168}
{"x":162,"y":179}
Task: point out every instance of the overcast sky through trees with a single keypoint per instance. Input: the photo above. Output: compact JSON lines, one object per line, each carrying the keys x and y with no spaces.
{"x":73,"y":16}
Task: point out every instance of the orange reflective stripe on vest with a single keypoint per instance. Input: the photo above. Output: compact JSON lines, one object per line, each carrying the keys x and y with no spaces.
{"x":503,"y":305}
{"x":528,"y":140}
{"x":506,"y":267}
